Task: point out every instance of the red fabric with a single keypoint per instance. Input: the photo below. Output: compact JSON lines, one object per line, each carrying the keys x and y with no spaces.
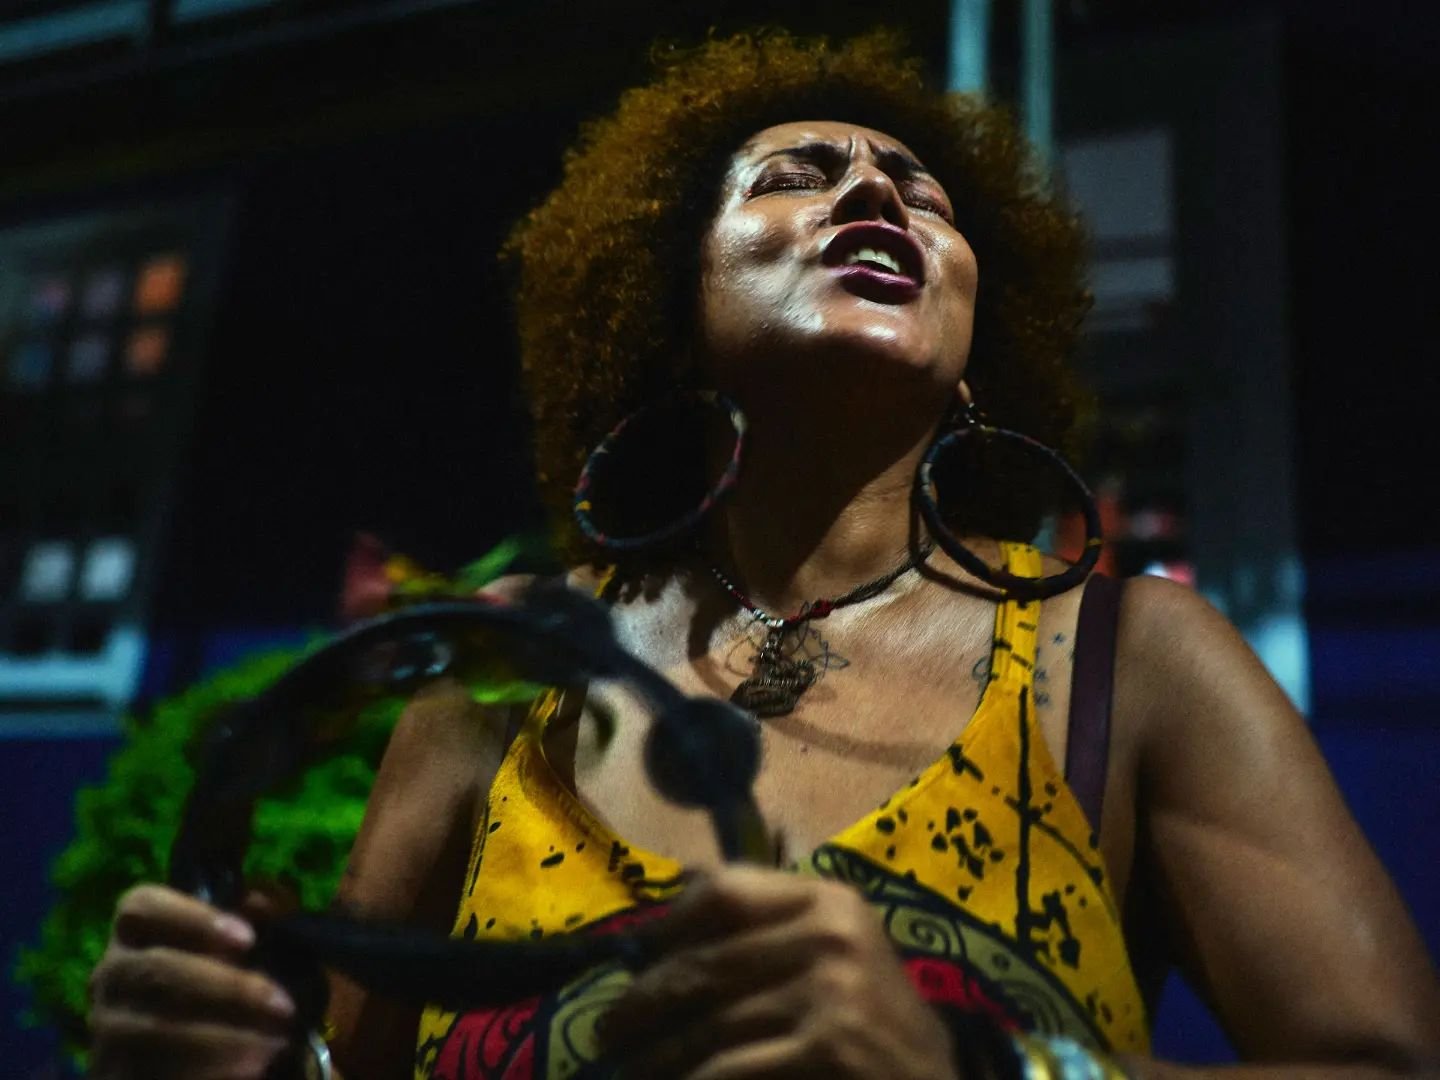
{"x":499,"y":1043}
{"x":491,"y":1044}
{"x":943,"y":982}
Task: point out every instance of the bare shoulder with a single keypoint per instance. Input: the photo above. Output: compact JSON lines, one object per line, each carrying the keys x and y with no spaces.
{"x":1179,"y":661}
{"x":441,"y":759}
{"x":1163,"y":624}
{"x":442,"y":732}
{"x":1158,"y":614}
{"x":446,"y":747}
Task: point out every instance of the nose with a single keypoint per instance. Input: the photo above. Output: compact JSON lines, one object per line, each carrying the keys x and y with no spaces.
{"x":867,"y":193}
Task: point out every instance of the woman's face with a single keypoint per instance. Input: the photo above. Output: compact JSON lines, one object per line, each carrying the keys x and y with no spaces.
{"x":833,"y":244}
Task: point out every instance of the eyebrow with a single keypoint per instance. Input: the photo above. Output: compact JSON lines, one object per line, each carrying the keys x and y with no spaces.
{"x":822,"y":153}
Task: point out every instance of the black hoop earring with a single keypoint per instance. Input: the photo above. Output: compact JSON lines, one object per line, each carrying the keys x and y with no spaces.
{"x":1023,"y":588}
{"x":598,"y":461}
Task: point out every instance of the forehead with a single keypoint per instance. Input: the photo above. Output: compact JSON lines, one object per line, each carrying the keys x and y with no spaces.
{"x":798,"y":133}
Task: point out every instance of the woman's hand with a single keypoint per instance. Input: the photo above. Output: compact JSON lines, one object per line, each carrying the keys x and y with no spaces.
{"x":170,"y":997}
{"x":768,"y":974}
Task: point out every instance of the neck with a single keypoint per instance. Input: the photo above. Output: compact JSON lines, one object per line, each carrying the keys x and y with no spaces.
{"x":821,"y":508}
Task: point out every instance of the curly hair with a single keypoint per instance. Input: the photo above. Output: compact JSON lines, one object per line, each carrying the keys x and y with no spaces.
{"x":609,"y":262}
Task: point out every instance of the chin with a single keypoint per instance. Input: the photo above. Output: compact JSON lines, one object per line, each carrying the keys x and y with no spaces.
{"x":883,"y":347}
{"x":864,"y":345}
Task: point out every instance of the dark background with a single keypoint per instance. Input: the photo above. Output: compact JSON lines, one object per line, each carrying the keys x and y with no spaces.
{"x":360,"y":372}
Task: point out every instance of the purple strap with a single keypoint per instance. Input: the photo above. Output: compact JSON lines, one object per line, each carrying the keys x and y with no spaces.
{"x":1087,"y":746}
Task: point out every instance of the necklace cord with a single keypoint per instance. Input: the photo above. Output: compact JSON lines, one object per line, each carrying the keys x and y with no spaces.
{"x":819,"y":609}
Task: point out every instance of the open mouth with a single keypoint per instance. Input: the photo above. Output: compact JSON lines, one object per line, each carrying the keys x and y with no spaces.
{"x":883,"y":259}
{"x":877,"y":261}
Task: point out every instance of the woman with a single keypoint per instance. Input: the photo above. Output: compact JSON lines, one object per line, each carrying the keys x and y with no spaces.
{"x":810,"y":234}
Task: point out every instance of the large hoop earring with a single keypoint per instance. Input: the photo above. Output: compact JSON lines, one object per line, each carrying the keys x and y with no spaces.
{"x":597,"y":464}
{"x":972,"y":427}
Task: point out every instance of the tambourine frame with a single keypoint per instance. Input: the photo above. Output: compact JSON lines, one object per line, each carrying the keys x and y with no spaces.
{"x":702,"y":752}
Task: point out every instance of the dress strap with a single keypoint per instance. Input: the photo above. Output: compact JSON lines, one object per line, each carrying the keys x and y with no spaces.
{"x":555,"y":702}
{"x":1087,"y":754}
{"x":608,"y":577}
{"x":1017,"y":622}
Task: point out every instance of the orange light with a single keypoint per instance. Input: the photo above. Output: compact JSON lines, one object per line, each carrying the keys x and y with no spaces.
{"x":148,"y":349}
{"x":159,"y":285}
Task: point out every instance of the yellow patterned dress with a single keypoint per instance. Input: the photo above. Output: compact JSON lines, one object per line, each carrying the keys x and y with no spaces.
{"x":984,"y":870}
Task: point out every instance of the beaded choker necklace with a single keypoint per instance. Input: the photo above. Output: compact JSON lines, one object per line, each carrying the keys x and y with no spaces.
{"x":782,"y":674}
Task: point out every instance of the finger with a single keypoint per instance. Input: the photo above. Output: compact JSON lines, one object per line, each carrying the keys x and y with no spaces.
{"x":158,"y":915}
{"x":783,"y":1057}
{"x":732,"y":898}
{"x":129,"y":1044}
{"x":166,"y":982}
{"x":269,"y":900}
{"x":690,"y":981}
{"x":759,"y":1017}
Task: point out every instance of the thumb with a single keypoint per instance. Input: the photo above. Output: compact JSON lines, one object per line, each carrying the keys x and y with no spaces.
{"x":269,"y":899}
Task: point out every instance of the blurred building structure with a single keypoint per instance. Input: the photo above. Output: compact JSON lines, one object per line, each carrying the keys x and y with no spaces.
{"x":248,"y":306}
{"x":102,"y":321}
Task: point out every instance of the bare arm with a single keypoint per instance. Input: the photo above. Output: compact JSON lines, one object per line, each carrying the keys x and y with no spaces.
{"x":409,"y":860}
{"x":172,"y":996}
{"x":1284,"y":917}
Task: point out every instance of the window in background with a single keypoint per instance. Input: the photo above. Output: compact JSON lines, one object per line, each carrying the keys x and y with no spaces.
{"x":104,"y":293}
{"x":147,"y":350}
{"x":159,"y":284}
{"x":1187,"y":346}
{"x":49,"y":572}
{"x":109,"y":569}
{"x":1124,"y":183}
{"x":98,"y":359}
{"x":30,"y":365}
{"x":89,"y":357}
{"x":49,"y":299}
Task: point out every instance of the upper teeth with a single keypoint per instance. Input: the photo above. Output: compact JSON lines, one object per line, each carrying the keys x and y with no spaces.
{"x":871,"y":255}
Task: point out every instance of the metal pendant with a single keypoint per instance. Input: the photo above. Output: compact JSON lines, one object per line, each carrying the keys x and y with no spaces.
{"x":778,"y":682}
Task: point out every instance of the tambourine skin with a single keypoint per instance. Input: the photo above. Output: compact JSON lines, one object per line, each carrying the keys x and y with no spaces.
{"x":702,"y":752}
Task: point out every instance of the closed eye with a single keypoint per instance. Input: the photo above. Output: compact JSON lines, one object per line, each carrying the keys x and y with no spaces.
{"x":916,"y":194}
{"x":923,"y":199}
{"x":783,"y":181}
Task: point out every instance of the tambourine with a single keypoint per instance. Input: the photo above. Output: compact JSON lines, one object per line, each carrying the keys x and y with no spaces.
{"x":701,"y":752}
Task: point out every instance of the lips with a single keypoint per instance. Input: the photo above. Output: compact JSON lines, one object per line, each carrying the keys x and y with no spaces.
{"x":865,"y":255}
